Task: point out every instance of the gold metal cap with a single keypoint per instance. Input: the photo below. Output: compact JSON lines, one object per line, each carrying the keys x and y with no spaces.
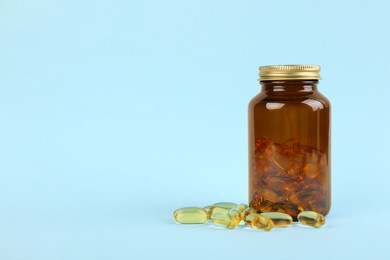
{"x":289,"y":72}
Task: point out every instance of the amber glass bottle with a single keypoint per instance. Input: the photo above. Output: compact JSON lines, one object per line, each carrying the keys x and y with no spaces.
{"x":289,"y":142}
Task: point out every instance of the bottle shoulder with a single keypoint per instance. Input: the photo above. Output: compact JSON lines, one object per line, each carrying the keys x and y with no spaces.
{"x":259,"y":98}
{"x":321,"y":98}
{"x":314,"y":100}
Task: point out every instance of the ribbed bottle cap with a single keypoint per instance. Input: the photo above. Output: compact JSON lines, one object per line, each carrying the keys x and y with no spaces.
{"x":289,"y":72}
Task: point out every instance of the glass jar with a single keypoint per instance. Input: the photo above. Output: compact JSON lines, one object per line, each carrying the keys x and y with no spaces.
{"x":289,"y":142}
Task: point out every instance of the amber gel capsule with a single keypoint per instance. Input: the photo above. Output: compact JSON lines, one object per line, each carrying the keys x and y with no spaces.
{"x":242,"y":207}
{"x":258,"y":221}
{"x":229,"y":220}
{"x":279,"y":219}
{"x":311,"y":218}
{"x":225,"y":204}
{"x":220,"y":207}
{"x":249,"y":211}
{"x":208,"y":209}
{"x":190,"y":215}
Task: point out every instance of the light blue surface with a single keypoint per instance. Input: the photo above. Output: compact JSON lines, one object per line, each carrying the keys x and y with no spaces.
{"x":114,"y":113}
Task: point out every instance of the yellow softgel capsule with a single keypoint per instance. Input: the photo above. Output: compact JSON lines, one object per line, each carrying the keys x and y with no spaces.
{"x":311,"y":218}
{"x":242,"y":207}
{"x":229,"y":220}
{"x":218,"y":207}
{"x":258,"y":221}
{"x":225,"y":204}
{"x":279,"y":219}
{"x":217,"y":210}
{"x":190,"y":215}
{"x":208,"y":209}
{"x":249,"y":211}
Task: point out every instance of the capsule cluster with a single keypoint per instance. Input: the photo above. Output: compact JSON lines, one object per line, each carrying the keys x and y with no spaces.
{"x":286,"y":176}
{"x":229,"y":215}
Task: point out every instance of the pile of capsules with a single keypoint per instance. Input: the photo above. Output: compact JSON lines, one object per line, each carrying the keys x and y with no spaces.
{"x":229,"y":215}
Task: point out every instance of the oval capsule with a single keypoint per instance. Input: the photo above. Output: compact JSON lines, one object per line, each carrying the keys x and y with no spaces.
{"x":229,"y":220}
{"x":258,"y":221}
{"x":279,"y":219}
{"x":218,"y":210}
{"x":190,"y":215}
{"x":249,"y":211}
{"x":208,"y":209}
{"x":222,"y":207}
{"x":311,"y":218}
{"x":225,"y":204}
{"x":242,"y":207}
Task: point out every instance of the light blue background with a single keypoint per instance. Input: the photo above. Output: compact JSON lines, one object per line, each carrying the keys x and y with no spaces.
{"x":115,"y":113}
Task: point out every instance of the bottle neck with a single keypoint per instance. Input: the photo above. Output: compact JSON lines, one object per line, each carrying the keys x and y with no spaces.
{"x":289,"y":87}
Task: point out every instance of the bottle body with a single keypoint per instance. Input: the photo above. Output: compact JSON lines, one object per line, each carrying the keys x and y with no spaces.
{"x":289,"y":148}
